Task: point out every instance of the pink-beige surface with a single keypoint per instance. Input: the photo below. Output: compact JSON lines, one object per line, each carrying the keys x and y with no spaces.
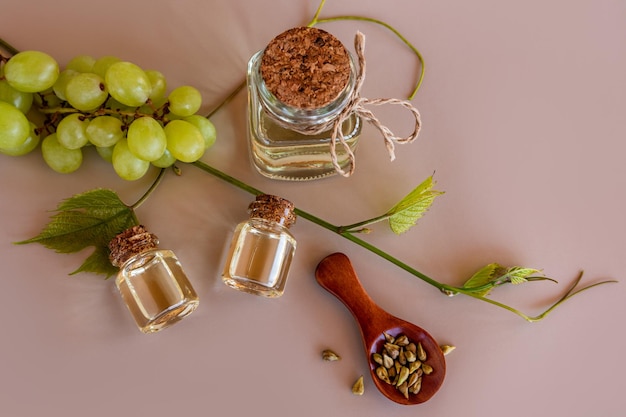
{"x":523,"y":127}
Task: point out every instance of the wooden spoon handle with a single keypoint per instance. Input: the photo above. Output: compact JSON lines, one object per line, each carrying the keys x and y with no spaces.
{"x":336,"y":274}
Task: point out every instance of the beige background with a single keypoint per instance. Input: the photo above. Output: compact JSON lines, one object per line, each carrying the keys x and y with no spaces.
{"x":523,"y":108}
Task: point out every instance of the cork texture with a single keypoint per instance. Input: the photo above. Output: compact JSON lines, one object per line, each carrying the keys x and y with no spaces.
{"x":131,"y":242}
{"x":305,"y":67}
{"x":273,"y":208}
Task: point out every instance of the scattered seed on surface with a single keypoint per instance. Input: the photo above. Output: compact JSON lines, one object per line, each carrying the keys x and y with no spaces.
{"x":330,"y":356}
{"x":358,"y":388}
{"x":447,"y":348}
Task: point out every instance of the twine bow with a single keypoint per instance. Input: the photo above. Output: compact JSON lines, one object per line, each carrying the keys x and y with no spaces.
{"x":356,"y":104}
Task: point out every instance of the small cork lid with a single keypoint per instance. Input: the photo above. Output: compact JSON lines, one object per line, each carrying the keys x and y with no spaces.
{"x":273,"y":208}
{"x":305,"y":67}
{"x":129,"y":243}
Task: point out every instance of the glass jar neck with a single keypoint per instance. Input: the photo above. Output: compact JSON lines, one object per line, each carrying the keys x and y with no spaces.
{"x":298,"y":116}
{"x":273,"y":224}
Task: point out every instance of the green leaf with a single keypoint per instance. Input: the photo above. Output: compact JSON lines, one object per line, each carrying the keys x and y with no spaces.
{"x":495,"y":275}
{"x":519,"y":275}
{"x":482,"y":280}
{"x":412,"y":207}
{"x":90,"y":219}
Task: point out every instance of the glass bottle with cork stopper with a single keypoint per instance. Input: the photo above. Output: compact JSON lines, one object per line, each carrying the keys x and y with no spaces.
{"x":262,"y":248}
{"x":297,"y":86}
{"x":151,"y":281}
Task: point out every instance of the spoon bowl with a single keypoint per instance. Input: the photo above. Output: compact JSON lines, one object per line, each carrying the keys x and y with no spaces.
{"x":336,"y":274}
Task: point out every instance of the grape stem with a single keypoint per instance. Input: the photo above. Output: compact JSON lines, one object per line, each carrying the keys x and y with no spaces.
{"x":7,"y":47}
{"x":156,"y":113}
{"x":149,"y":191}
{"x":444,"y":288}
{"x":347,"y":232}
{"x":316,"y":20}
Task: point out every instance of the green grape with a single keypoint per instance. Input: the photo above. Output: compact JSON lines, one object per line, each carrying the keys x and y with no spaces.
{"x":23,"y":101}
{"x":104,"y":131}
{"x":81,"y":63}
{"x":31,"y":71}
{"x":72,"y":131}
{"x":58,"y":157}
{"x":185,"y":101}
{"x":159,"y":85}
{"x":184,"y":141}
{"x":146,"y":138}
{"x":14,"y":126}
{"x":29,"y":144}
{"x":206,"y":127}
{"x":128,"y":83}
{"x":106,"y":152}
{"x":61,"y":84}
{"x":165,"y":161}
{"x":126,"y":164}
{"x":86,"y":91}
{"x":102,"y":64}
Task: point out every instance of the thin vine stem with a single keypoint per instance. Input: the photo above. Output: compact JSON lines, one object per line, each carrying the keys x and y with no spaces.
{"x":228,"y":99}
{"x":8,"y":47}
{"x":359,"y":226}
{"x":347,"y":231}
{"x":149,"y":191}
{"x":316,"y":20}
{"x":444,"y":288}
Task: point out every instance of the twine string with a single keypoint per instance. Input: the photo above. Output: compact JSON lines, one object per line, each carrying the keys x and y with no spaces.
{"x":356,"y":104}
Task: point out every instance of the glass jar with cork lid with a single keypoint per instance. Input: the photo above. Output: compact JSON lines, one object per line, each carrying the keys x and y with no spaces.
{"x":262,"y":248}
{"x":297,"y":87}
{"x":151,"y":281}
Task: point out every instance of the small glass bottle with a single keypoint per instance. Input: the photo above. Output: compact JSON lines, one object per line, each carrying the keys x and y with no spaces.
{"x":301,"y":81}
{"x":151,"y":281}
{"x":262,"y":248}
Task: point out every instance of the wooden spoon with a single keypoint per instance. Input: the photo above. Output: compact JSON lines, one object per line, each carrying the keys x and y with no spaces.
{"x":336,"y":274}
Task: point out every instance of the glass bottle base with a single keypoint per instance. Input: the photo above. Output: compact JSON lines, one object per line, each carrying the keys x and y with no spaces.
{"x":252,"y":287}
{"x":283,"y":154}
{"x":259,"y":257}
{"x":156,"y":290}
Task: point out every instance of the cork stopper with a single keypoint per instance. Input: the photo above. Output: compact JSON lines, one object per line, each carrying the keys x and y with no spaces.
{"x":273,"y":208}
{"x":305,"y":67}
{"x":129,"y":243}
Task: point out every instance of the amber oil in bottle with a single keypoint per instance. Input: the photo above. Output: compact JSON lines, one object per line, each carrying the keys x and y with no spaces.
{"x":302,"y":80}
{"x":151,"y":281}
{"x":262,"y":248}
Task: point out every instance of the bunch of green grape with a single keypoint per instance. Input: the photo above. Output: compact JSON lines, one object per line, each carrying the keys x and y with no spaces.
{"x":114,"y":106}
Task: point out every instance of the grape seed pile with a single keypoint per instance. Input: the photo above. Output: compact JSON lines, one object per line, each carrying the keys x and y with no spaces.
{"x":114,"y":106}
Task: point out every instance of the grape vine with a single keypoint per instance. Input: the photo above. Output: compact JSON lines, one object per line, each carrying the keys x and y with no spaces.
{"x":91,"y":103}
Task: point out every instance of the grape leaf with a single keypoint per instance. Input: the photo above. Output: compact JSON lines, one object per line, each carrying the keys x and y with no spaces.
{"x":494,"y":275}
{"x":519,"y":275}
{"x":412,"y":207}
{"x":481,"y":278}
{"x":90,"y":219}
